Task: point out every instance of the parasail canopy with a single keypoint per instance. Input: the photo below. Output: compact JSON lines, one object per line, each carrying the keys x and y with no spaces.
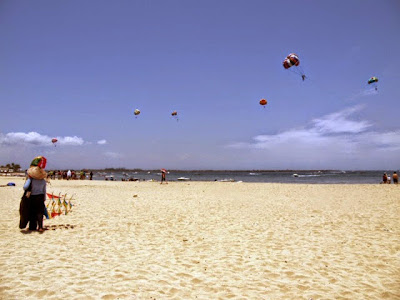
{"x":292,"y":63}
{"x":373,"y":80}
{"x":291,"y":60}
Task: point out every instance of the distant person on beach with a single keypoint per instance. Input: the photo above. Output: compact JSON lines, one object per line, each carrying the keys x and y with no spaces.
{"x":389,"y":179}
{"x":384,"y":178}
{"x":163,"y":173}
{"x":91,"y":175}
{"x":36,"y":183}
{"x":69,"y":174}
{"x":395,"y":178}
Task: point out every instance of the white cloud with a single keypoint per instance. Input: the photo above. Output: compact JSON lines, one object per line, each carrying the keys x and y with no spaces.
{"x":37,"y":139}
{"x":17,"y":138}
{"x":331,"y":140}
{"x":102,"y":142}
{"x":71,"y":141}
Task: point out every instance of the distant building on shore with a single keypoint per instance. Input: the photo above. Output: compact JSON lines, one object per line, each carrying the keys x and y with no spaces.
{"x":10,"y":172}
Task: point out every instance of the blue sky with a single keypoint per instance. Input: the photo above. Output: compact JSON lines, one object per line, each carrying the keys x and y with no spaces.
{"x":76,"y":70}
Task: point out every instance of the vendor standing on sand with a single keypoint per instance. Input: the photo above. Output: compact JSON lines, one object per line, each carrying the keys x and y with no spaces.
{"x":37,"y":181}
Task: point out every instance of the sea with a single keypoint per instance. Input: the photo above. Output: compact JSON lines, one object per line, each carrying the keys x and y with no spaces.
{"x":292,"y":176}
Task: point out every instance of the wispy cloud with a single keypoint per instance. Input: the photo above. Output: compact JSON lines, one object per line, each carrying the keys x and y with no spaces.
{"x":102,"y":142}
{"x":339,"y":122}
{"x":363,"y":93}
{"x":330,"y":138}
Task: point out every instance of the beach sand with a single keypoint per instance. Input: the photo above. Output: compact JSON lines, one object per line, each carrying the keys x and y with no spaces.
{"x":205,"y":240}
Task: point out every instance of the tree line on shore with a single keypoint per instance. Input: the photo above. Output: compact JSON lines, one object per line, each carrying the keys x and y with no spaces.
{"x":12,"y":166}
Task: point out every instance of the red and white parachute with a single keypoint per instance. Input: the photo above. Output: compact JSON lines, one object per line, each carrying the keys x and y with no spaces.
{"x":292,"y":63}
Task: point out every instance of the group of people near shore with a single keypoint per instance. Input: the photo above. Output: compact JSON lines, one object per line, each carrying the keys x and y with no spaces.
{"x":386,"y":179}
{"x":68,"y":174}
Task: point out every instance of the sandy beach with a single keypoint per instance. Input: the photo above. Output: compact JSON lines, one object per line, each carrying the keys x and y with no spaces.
{"x":205,"y":240}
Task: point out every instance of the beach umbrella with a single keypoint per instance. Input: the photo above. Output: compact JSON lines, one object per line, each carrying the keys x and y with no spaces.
{"x":163,"y":170}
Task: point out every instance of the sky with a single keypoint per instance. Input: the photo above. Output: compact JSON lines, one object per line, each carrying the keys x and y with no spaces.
{"x":77,"y":70}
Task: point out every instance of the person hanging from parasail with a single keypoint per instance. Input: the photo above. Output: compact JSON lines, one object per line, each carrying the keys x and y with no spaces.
{"x":373,"y":81}
{"x":174,"y":114}
{"x":263,"y":102}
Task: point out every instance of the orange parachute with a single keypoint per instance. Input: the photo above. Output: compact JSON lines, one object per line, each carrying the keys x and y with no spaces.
{"x":263,"y":102}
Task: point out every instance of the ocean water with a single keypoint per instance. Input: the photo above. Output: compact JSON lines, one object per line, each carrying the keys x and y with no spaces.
{"x":301,"y":177}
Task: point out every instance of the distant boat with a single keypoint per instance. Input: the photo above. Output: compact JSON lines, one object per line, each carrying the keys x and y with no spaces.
{"x":306,"y":175}
{"x":227,"y":180}
{"x":183,"y":179}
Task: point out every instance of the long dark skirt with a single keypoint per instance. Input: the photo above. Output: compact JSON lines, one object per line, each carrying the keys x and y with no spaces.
{"x":36,"y":211}
{"x":24,"y":209}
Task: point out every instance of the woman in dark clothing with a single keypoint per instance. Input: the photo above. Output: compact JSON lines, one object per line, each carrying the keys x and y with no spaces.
{"x":37,"y":176}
